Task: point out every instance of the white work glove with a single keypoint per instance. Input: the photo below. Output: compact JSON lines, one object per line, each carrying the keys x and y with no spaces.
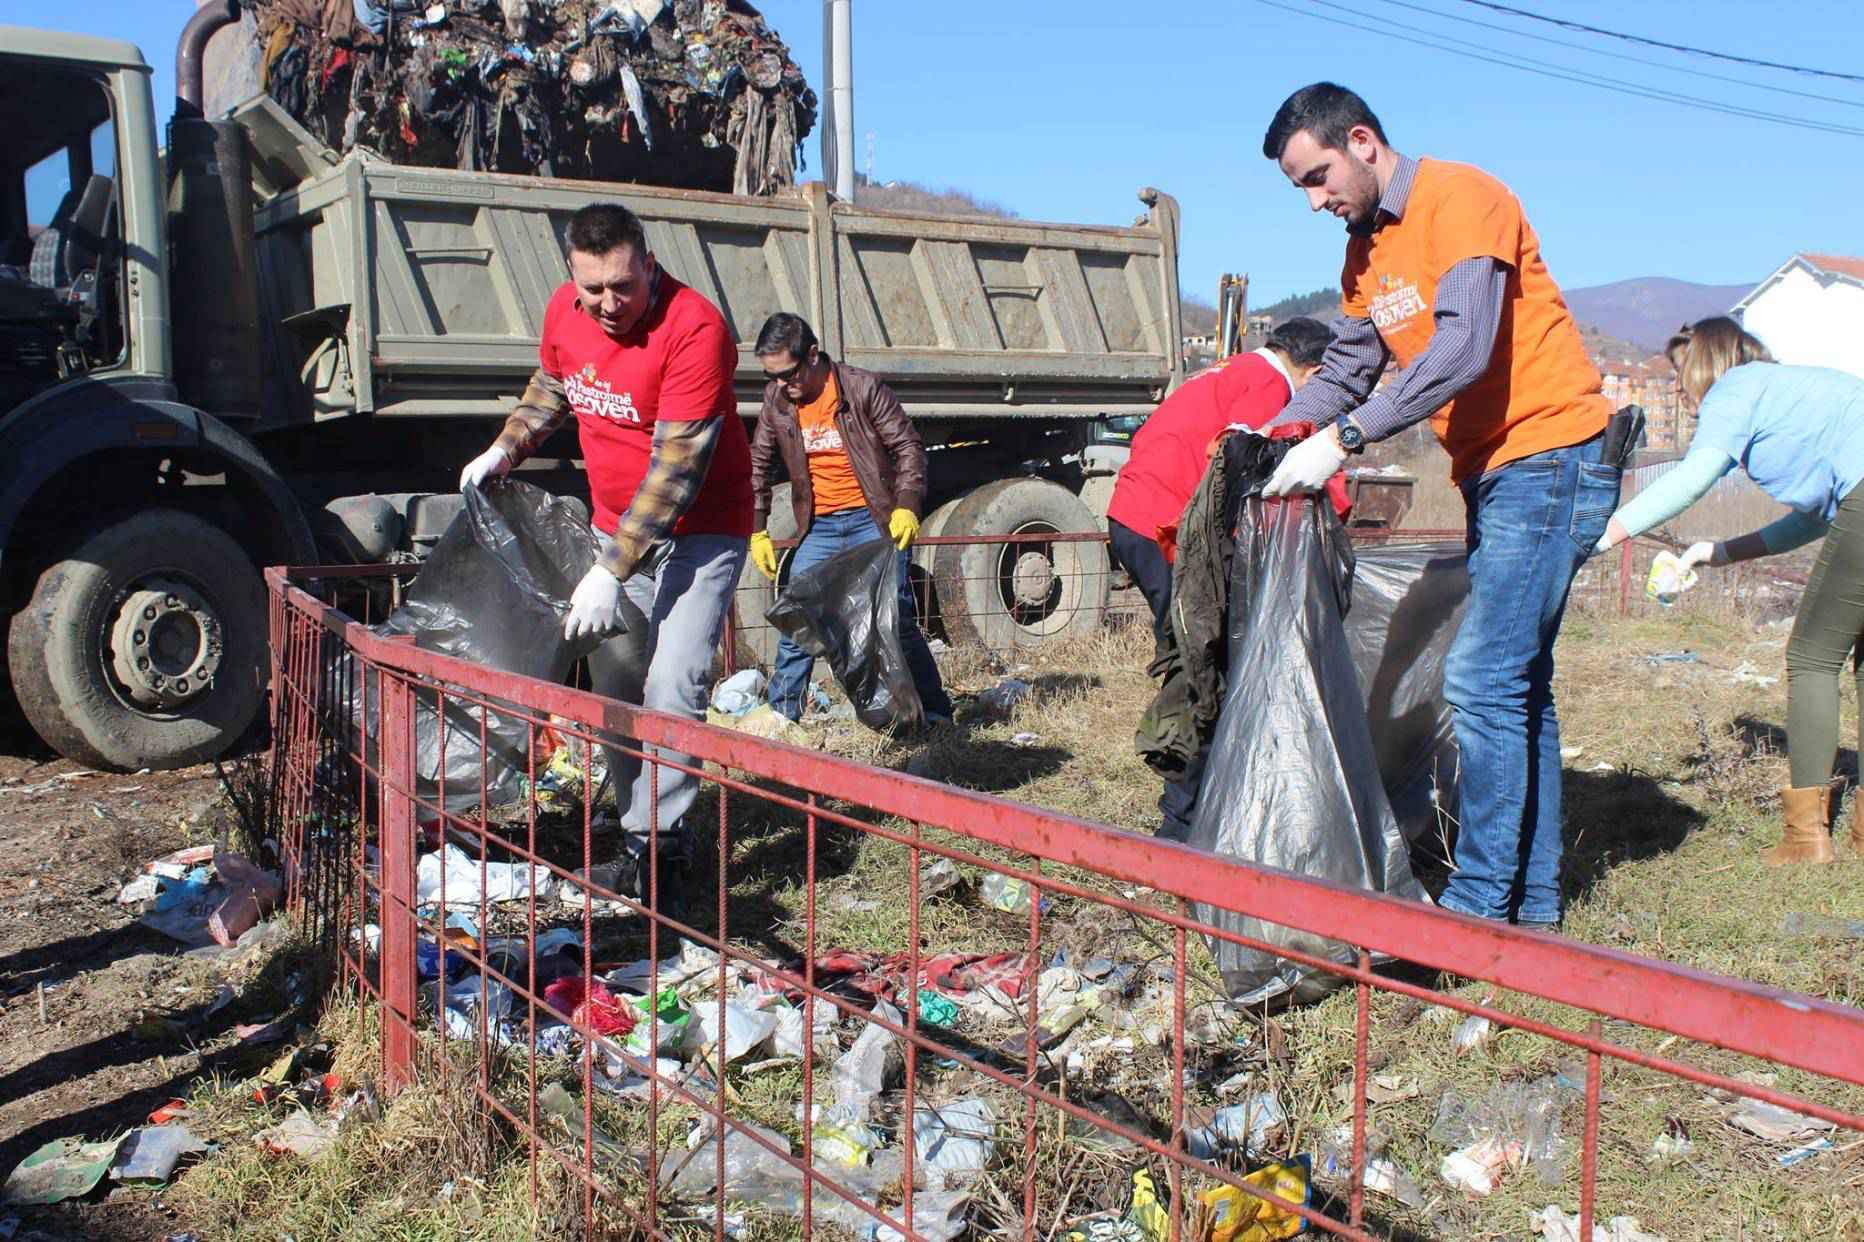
{"x":595,"y":606}
{"x":487,"y":466}
{"x":1308,"y":465}
{"x":1700,"y":554}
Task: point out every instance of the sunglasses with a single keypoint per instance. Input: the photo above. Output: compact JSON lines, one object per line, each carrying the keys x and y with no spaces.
{"x":788,"y":374}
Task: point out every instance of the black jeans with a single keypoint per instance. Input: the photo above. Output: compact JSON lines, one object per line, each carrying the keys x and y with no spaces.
{"x":1151,"y":573}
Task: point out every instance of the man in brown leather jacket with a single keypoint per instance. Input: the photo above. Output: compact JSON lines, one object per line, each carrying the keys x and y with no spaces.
{"x":857,"y":473}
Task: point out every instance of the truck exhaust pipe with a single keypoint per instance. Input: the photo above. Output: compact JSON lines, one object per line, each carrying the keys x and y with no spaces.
{"x":191,"y":53}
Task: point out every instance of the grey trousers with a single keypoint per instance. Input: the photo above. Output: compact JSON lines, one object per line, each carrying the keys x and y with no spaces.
{"x":686,"y":599}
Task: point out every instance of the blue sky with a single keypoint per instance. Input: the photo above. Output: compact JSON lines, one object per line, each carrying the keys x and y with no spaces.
{"x":1061,"y":111}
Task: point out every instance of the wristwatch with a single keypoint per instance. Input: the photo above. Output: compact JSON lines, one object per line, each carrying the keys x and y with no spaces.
{"x":1352,"y":439}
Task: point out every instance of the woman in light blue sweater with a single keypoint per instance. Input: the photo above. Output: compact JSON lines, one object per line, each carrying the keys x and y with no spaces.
{"x":1799,"y":434}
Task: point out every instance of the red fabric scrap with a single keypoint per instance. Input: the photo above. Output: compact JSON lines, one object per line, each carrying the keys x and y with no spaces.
{"x":590,"y":1004}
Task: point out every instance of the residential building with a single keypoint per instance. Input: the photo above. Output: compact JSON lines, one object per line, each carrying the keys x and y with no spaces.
{"x":1650,"y":383}
{"x":1810,"y":312}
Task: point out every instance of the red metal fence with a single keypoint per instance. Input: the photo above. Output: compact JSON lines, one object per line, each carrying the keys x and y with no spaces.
{"x":818,"y":888}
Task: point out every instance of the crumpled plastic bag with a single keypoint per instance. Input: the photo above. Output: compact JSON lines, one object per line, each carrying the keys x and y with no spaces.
{"x":847,"y":610}
{"x":494,"y":592}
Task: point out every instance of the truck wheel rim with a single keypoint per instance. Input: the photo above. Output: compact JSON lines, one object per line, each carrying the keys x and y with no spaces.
{"x":165,"y":645}
{"x":1030,"y":583}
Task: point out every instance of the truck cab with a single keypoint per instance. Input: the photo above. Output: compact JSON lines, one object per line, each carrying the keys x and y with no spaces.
{"x":131,"y":521}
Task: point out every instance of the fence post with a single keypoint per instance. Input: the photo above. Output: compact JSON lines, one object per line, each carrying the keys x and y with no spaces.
{"x":395,"y":735}
{"x":1624,"y":578}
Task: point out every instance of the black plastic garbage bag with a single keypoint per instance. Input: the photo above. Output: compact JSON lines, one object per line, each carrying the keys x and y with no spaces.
{"x":1295,"y":777}
{"x":847,"y":610}
{"x":1407,"y":604}
{"x":494,"y":592}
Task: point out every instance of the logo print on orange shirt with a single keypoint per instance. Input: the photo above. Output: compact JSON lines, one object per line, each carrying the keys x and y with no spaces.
{"x":825,"y":438}
{"x":596,"y":398}
{"x":1395,"y":303}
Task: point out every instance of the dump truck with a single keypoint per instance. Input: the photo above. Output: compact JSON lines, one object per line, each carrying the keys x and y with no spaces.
{"x":249,"y":349}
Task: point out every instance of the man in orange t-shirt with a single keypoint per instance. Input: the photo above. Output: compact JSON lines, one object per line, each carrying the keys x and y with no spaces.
{"x":857,"y":473}
{"x":1444,"y":275}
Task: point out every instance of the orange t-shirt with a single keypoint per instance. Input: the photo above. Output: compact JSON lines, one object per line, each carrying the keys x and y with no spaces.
{"x":831,"y":474}
{"x":1541,"y":391}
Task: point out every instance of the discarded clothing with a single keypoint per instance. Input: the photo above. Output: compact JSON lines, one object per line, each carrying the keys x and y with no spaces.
{"x":874,"y":976}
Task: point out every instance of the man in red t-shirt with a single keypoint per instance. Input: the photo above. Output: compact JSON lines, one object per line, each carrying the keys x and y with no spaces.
{"x":645,"y":364}
{"x":1172,"y":450}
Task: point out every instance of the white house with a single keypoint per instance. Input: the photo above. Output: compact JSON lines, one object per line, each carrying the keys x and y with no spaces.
{"x":1811,"y":312}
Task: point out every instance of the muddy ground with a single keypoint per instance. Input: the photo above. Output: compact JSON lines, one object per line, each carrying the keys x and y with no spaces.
{"x":101,"y":1020}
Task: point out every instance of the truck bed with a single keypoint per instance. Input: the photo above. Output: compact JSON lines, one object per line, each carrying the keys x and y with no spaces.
{"x":419,"y":292}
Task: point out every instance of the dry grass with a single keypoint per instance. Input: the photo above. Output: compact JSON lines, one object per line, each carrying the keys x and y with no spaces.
{"x":1669,"y":801}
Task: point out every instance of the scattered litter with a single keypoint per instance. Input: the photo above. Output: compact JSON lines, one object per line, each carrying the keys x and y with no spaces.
{"x":787,"y":1039}
{"x":1570,"y":753}
{"x":1246,"y":1128}
{"x":1025,"y":739}
{"x":665,"y":1022}
{"x":1007,"y":893}
{"x":1788,"y":1159}
{"x":1145,"y":1210}
{"x":1236,"y":1216}
{"x":1773,"y":1123}
{"x":65,"y":1168}
{"x":145,"y":887}
{"x":468,"y":881}
{"x":174,"y":1110}
{"x":1796,"y":923}
{"x":1555,"y":1225}
{"x":848,"y":903}
{"x":589,"y":1003}
{"x":204,"y":903}
{"x":1005,"y":695}
{"x":936,"y":1010}
{"x":263,"y":1032}
{"x":956,"y":1138}
{"x":739,"y":693}
{"x":862,"y":1072}
{"x":299,"y":1135}
{"x":1516,"y":1124}
{"x":745,"y":1029}
{"x":1380,"y":1089}
{"x":1668,"y":579}
{"x":1384,"y":1176}
{"x":1671,"y":657}
{"x":1474,"y":1032}
{"x":767,"y":722}
{"x":941,"y":875}
{"x":149,"y":1154}
{"x":841,"y":1137}
{"x":1748,"y":673}
{"x":1672,"y":1142}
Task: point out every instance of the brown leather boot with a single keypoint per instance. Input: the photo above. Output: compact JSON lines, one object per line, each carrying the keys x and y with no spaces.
{"x":1857,"y":826}
{"x":1807,"y":837}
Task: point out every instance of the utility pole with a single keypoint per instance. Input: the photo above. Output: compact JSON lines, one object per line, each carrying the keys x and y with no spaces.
{"x":838,"y":119}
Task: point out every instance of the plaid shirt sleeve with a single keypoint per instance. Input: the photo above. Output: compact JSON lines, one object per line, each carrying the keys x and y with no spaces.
{"x":681,"y":455}
{"x":540,"y":412}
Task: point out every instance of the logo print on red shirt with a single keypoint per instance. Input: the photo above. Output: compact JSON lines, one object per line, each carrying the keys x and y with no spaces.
{"x":592,"y":397}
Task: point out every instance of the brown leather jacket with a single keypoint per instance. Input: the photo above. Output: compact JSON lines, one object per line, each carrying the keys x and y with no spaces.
{"x":888,"y":459}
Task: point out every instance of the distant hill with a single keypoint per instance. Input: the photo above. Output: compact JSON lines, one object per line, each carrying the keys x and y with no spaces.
{"x":1646,"y":311}
{"x":1322,"y":304}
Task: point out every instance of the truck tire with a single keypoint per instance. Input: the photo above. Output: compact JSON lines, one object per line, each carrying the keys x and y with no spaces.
{"x":145,"y":646}
{"x":924,"y":567}
{"x":1011,"y":596}
{"x":756,"y":641}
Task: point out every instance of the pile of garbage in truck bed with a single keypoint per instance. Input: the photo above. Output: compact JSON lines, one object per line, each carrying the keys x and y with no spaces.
{"x":692,"y":94}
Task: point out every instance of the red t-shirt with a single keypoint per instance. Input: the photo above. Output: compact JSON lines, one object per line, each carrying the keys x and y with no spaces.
{"x":676,"y":364}
{"x":1168,"y":459}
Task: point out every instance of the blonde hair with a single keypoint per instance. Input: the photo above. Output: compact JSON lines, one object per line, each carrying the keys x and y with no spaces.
{"x":1703,"y":351}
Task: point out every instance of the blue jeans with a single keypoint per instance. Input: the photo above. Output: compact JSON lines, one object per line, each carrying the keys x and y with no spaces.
{"x":828,"y":535}
{"x":1532,"y":523}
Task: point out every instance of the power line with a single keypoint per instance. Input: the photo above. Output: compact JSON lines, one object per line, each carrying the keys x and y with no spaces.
{"x":1670,"y":47}
{"x":1582,"y":77}
{"x":1626,"y":56}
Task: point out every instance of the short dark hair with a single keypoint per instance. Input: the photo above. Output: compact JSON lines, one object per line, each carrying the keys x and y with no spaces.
{"x":784,"y":333}
{"x":1303,"y":340}
{"x":1327,"y":111}
{"x":600,"y":227}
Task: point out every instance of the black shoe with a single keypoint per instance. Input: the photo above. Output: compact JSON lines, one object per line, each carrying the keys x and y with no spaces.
{"x":621,"y":878}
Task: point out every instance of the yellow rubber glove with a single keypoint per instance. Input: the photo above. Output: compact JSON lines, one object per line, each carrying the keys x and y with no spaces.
{"x":764,"y":554}
{"x":904,"y":527}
